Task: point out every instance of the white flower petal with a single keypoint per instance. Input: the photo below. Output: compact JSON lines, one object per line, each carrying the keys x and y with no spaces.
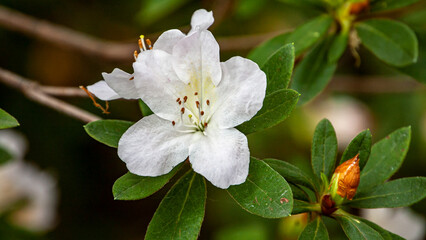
{"x":201,"y":20}
{"x":168,"y":39}
{"x":222,"y":156}
{"x":120,"y":82}
{"x":152,"y":147}
{"x":102,"y":91}
{"x":197,"y":56}
{"x":159,"y":86}
{"x":240,"y":92}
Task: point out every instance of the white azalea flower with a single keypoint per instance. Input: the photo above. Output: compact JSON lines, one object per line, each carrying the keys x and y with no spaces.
{"x":197,"y":101}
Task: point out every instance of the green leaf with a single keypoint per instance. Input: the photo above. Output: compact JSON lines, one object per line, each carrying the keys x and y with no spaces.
{"x":301,"y":207}
{"x":360,"y":144}
{"x":324,"y":149}
{"x":5,"y":156}
{"x":303,"y":37}
{"x":264,"y":193}
{"x":291,"y":173}
{"x":315,"y":230}
{"x":7,"y":120}
{"x":392,"y":42}
{"x":107,"y":132}
{"x":418,"y":69}
{"x":356,"y":230}
{"x":313,"y":73}
{"x":386,"y":235}
{"x":181,"y":211}
{"x":278,"y":69}
{"x":385,"y":159}
{"x":338,"y":47}
{"x":304,"y":3}
{"x":397,"y":193}
{"x":153,"y":10}
{"x":385,"y":5}
{"x":134,"y":187}
{"x":276,"y":108}
{"x":298,"y":193}
{"x":146,"y":111}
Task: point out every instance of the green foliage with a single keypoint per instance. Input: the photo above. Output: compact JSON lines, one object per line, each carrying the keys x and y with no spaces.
{"x":314,"y":230}
{"x":360,"y":144}
{"x":418,"y":69}
{"x":313,"y":73}
{"x":134,"y":187}
{"x":355,"y":229}
{"x":392,"y":42}
{"x":397,"y":193}
{"x":146,"y":111}
{"x":181,"y":212}
{"x":153,"y":10}
{"x":265,"y":192}
{"x":278,"y":69}
{"x":337,"y":47}
{"x":303,"y":37}
{"x":324,"y":149}
{"x":386,"y":5}
{"x":300,"y":206}
{"x":385,"y":159}
{"x":276,"y":108}
{"x":7,"y":120}
{"x":291,"y":173}
{"x":107,"y":132}
{"x":386,"y":235}
{"x":5,"y":156}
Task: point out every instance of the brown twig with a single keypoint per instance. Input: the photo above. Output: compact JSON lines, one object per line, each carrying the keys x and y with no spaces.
{"x":34,"y":92}
{"x":63,"y":91}
{"x":108,"y":50}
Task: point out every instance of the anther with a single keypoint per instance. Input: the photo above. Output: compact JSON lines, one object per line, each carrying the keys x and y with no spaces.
{"x":177,"y":100}
{"x":198,"y":104}
{"x":182,"y":110}
{"x":173,"y":122}
{"x":184,"y":99}
{"x":205,"y":125}
{"x":208,"y":102}
{"x":135,"y":55}
{"x":202,"y":113}
{"x":149,"y":44}
{"x":196,"y":93}
{"x":132,"y":78}
{"x":180,"y":102}
{"x":141,"y":43}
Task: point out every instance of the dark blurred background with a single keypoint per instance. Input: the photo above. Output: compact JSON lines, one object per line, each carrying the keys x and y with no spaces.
{"x":86,"y":170}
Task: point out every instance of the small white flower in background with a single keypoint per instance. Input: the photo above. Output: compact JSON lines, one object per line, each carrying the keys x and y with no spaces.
{"x":197,"y":101}
{"x":401,"y":221}
{"x":23,"y":183}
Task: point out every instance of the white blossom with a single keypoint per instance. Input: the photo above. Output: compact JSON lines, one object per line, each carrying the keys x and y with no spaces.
{"x":197,"y":101}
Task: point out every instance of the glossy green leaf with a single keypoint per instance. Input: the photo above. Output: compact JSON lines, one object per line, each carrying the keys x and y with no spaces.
{"x":7,"y":120}
{"x":385,"y":159}
{"x":146,"y":111}
{"x":324,"y":149}
{"x":357,"y":230}
{"x":360,"y":144}
{"x":265,"y":192}
{"x":392,"y":42}
{"x":386,"y":235}
{"x":276,"y":108}
{"x":298,"y":193}
{"x":107,"y":132}
{"x":337,"y":47}
{"x":153,"y":10}
{"x":397,"y":193}
{"x":134,"y":187}
{"x":313,"y":73}
{"x":303,"y":37}
{"x":418,"y":69}
{"x":291,"y":173}
{"x":301,"y":207}
{"x":5,"y":156}
{"x":181,"y":211}
{"x":385,"y":5}
{"x":278,"y":69}
{"x":315,"y":230}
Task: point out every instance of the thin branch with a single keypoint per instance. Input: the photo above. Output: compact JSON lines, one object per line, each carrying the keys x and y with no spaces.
{"x":63,"y":91}
{"x":32,"y":90}
{"x":108,"y":50}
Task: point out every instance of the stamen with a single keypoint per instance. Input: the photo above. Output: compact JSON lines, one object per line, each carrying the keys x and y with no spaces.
{"x":180,"y":102}
{"x":198,"y":104}
{"x":132,"y":78}
{"x":182,"y":110}
{"x":208,"y":102}
{"x":205,"y":125}
{"x":190,"y":115}
{"x":140,"y":44}
{"x":143,"y":42}
{"x":135,"y":55}
{"x":149,"y":44}
{"x":173,"y":122}
{"x":184,"y":99}
{"x":104,"y":110}
{"x":177,"y":100}
{"x":196,"y":93}
{"x":202,"y":113}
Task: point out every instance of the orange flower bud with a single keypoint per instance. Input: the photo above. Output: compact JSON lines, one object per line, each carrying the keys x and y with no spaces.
{"x":347,"y":177}
{"x":358,"y":7}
